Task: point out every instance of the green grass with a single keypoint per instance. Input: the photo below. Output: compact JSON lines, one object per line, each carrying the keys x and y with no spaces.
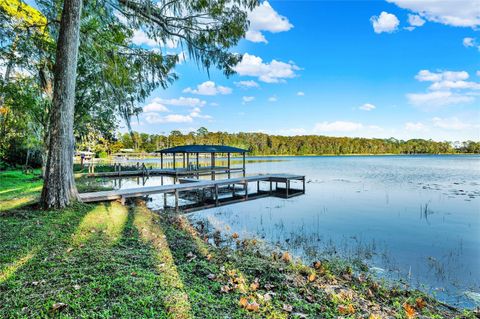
{"x":113,"y":261}
{"x":18,"y":189}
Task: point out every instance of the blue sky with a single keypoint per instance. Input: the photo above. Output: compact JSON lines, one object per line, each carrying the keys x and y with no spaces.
{"x":397,"y":68}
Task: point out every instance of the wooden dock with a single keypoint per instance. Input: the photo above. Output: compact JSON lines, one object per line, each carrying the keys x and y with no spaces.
{"x":189,"y":185}
{"x":175,"y":172}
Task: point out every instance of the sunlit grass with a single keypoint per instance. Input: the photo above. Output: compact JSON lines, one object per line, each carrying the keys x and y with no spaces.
{"x":17,"y":264}
{"x":176,"y":299}
{"x":106,"y":220}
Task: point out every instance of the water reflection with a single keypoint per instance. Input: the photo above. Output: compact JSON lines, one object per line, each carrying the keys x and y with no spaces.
{"x":416,"y":219}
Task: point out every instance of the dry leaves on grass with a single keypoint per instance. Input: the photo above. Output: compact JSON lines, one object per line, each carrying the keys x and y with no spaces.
{"x":286,"y":257}
{"x":59,"y":306}
{"x":287,"y":307}
{"x":346,"y":310}
{"x":409,"y":311}
{"x":250,"y":306}
{"x":312,"y":277}
{"x":234,"y":235}
{"x":420,"y":303}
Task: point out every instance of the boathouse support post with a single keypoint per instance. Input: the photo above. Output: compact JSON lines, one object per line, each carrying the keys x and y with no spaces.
{"x":183,"y":159}
{"x":212,"y":164}
{"x":270,"y":187}
{"x":176,"y":200}
{"x":198,"y":161}
{"x":174,"y":155}
{"x":258,"y":186}
{"x":228,"y":164}
{"x":161,"y":160}
{"x":216,"y":195}
{"x":287,"y":186}
{"x":246,"y":190}
{"x":188,"y":161}
{"x":303,"y":180}
{"x":243,"y":164}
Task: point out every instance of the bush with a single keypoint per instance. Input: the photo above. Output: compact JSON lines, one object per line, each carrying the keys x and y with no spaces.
{"x":17,"y":155}
{"x":102,"y":154}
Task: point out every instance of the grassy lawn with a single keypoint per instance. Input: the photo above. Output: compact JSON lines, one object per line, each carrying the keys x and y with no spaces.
{"x":113,"y":261}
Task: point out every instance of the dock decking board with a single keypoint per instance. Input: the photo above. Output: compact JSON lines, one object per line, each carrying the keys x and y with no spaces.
{"x":122,"y":194}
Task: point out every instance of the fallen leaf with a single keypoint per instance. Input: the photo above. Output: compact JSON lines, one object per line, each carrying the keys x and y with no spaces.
{"x":317,"y":265}
{"x":286,"y":257}
{"x":243,"y":301}
{"x":373,"y":316}
{"x":225,"y":289}
{"x":312,"y":277}
{"x":234,"y":235}
{"x":269,"y":286}
{"x":253,"y":306}
{"x":344,"y":310}
{"x":254,"y":286}
{"x":420,"y":303}
{"x":134,"y":274}
{"x":409,"y":311}
{"x":76,"y":287}
{"x":209,"y":257}
{"x":267,"y":297}
{"x":287,"y":308}
{"x":191,"y":256}
{"x":211,"y":276}
{"x":58,"y":306}
{"x":69,"y":250}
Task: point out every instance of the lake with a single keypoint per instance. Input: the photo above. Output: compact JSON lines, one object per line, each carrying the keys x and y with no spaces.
{"x":409,"y":218}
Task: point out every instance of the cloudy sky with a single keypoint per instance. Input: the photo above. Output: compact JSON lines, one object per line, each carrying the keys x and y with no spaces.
{"x":395,"y":68}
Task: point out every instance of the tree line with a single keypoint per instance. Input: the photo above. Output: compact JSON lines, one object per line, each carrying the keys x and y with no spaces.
{"x":264,"y":144}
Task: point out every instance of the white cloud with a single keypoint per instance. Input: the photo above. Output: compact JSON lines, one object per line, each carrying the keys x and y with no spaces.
{"x":140,"y":38}
{"x":415,"y":20}
{"x":416,"y":127}
{"x":477,"y":73}
{"x":426,"y":75}
{"x":265,"y":18}
{"x":367,"y":107}
{"x":452,"y":123}
{"x":300,"y":93}
{"x":247,"y":84}
{"x":272,"y":99}
{"x":209,"y":88}
{"x":447,"y":85}
{"x":247,"y":99}
{"x":182,"y":101}
{"x":337,"y":126}
{"x":468,"y":42}
{"x":154,"y":118}
{"x":447,"y":88}
{"x":155,"y":106}
{"x":273,"y":72}
{"x":437,"y":98}
{"x":385,"y":22}
{"x":196,"y":113}
{"x":460,"y":13}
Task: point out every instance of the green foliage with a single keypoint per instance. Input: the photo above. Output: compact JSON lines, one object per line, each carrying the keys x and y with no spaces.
{"x":263,"y":144}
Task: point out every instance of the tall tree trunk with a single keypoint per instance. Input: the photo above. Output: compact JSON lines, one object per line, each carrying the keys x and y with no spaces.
{"x":59,"y":188}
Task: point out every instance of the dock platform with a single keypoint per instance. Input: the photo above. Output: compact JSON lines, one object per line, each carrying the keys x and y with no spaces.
{"x":191,"y":185}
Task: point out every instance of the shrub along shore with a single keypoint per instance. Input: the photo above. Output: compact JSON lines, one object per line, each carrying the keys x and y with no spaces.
{"x":107,"y":260}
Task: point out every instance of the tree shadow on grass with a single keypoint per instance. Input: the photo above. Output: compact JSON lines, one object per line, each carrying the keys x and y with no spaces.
{"x":204,"y":271}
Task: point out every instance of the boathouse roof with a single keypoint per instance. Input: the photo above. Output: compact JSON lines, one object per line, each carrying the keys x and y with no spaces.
{"x":202,"y":149}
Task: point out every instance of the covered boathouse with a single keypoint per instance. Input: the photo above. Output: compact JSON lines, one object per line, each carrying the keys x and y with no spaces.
{"x":190,"y":159}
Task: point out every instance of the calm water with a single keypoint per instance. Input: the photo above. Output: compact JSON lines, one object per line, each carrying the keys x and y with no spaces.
{"x":414,"y":218}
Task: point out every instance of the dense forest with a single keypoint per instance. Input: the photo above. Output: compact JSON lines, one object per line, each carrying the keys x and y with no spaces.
{"x":264,"y":144}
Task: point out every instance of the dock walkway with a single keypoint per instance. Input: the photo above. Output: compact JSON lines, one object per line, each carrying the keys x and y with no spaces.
{"x":194,"y":185}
